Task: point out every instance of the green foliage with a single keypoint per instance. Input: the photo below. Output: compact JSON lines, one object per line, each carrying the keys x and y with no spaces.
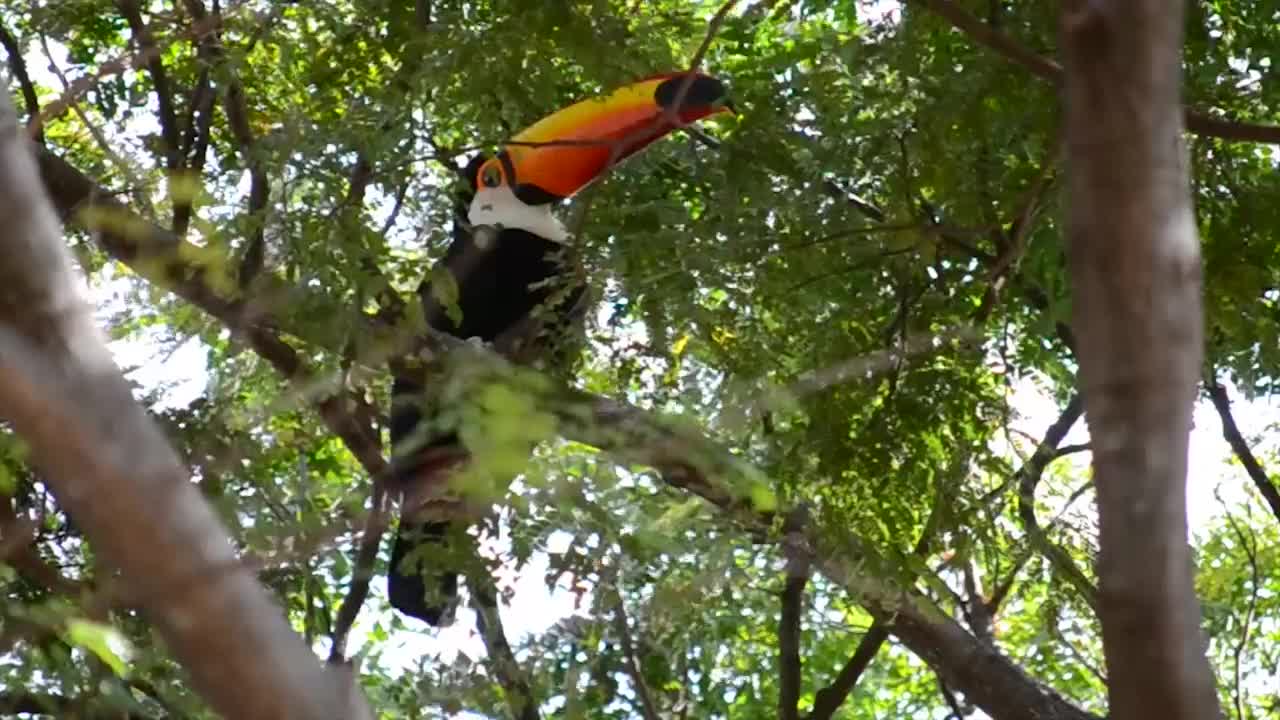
{"x":875,"y":171}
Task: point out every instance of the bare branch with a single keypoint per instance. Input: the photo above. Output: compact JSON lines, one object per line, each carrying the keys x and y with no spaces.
{"x":1249,"y":544}
{"x":1134,"y":261}
{"x":107,"y":462}
{"x":1028,"y":477}
{"x":881,"y":361}
{"x":830,"y":698}
{"x":790,"y":666}
{"x":18,"y":66}
{"x":361,"y":572}
{"x":1231,"y":432}
{"x":195,"y":146}
{"x":132,"y":12}
{"x":502,"y":661}
{"x":980,"y":32}
{"x":622,"y":626}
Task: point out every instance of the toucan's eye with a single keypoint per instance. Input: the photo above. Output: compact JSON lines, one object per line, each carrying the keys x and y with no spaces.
{"x":491,"y":175}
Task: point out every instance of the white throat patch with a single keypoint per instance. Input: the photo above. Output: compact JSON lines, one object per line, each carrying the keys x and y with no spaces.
{"x":501,"y":208}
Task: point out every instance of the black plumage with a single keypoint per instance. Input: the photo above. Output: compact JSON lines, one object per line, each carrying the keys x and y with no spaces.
{"x":509,"y":277}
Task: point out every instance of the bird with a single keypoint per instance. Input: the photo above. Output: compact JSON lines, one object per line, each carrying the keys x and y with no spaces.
{"x":511,"y":267}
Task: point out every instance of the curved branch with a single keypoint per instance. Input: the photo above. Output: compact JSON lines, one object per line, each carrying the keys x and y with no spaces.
{"x":1028,"y":477}
{"x":132,"y":12}
{"x":790,"y":665}
{"x":502,"y":661}
{"x":622,"y":626}
{"x":18,"y":66}
{"x":1231,"y":432}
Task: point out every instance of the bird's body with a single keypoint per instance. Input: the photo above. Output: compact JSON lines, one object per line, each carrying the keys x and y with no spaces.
{"x":511,"y":262}
{"x":514,"y":276}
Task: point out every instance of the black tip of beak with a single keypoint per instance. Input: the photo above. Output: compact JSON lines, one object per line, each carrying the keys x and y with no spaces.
{"x":704,"y":91}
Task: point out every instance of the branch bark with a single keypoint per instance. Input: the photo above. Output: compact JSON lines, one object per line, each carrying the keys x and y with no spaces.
{"x":1231,"y":432}
{"x":1134,"y":262}
{"x":502,"y":661}
{"x":18,"y":66}
{"x":622,"y":626}
{"x":790,"y":665}
{"x":1028,"y":478}
{"x":980,"y":32}
{"x":107,"y":463}
{"x":830,"y":698}
{"x":132,"y":12}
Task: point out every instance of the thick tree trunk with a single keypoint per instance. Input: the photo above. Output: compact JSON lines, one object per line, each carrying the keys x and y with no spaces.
{"x":1135,"y":271}
{"x":115,"y":474}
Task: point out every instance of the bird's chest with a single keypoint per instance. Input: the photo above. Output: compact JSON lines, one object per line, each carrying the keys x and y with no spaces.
{"x":505,"y":281}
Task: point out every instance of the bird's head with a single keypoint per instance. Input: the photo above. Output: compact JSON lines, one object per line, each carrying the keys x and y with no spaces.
{"x":568,"y":150}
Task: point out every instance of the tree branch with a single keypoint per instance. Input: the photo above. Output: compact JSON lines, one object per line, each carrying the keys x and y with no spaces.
{"x":1231,"y":432}
{"x":107,"y":462}
{"x":195,"y":145}
{"x":361,"y":572}
{"x":830,"y":698}
{"x":18,"y":66}
{"x":1196,"y":121}
{"x":502,"y":661}
{"x":1134,"y":263}
{"x":622,"y":627}
{"x":132,"y":12}
{"x":237,"y":110}
{"x":1028,"y":478}
{"x":790,"y":666}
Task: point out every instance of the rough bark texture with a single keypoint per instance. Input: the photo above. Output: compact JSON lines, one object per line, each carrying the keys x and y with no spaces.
{"x":113,"y":471}
{"x":1135,"y":270}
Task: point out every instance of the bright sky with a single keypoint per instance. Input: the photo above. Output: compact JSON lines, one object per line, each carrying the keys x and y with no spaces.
{"x":183,"y":371}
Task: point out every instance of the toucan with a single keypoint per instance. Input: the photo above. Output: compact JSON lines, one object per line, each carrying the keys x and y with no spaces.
{"x":511,"y":260}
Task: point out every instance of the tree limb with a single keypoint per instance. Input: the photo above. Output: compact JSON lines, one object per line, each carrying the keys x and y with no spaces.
{"x":501,"y":660}
{"x":18,"y":66}
{"x":1134,"y":264}
{"x":980,"y":32}
{"x":1028,"y":477}
{"x":107,"y":462}
{"x":1231,"y":432}
{"x":622,"y":626}
{"x":830,"y":698}
{"x":132,"y":12}
{"x":789,"y":629}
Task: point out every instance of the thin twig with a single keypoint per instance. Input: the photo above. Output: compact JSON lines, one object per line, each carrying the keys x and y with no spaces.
{"x":1250,"y":546}
{"x":622,"y":627}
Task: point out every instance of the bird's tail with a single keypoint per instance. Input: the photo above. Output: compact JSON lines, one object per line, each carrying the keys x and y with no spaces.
{"x":415,"y":584}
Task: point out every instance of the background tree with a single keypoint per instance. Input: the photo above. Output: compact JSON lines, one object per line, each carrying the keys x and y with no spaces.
{"x":810,"y":466}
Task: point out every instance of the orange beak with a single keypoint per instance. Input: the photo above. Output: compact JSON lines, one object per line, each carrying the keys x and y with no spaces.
{"x":564,"y":152}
